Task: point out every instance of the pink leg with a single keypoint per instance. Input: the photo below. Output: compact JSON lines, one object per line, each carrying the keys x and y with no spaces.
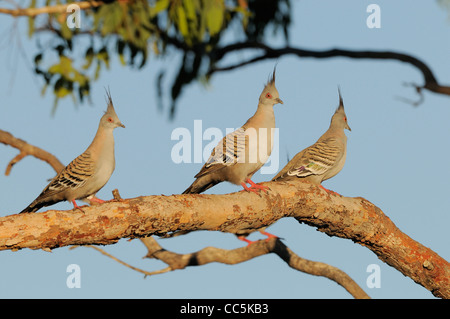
{"x":249,"y":242}
{"x":243,"y":238}
{"x":255,"y":188}
{"x":269,"y":235}
{"x":97,"y":200}
{"x":254,"y":185}
{"x":249,"y":189}
{"x":75,"y":206}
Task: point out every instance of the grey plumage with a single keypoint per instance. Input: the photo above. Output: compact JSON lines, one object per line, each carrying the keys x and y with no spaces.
{"x":87,"y":173}
{"x":325,"y":158}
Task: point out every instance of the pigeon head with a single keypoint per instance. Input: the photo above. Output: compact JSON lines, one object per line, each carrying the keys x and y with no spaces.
{"x":269,"y":95}
{"x":339,"y":118}
{"x":110,"y":118}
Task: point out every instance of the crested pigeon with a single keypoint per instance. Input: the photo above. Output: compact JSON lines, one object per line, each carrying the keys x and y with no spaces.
{"x":325,"y":158}
{"x":242,"y":153}
{"x":87,"y":173}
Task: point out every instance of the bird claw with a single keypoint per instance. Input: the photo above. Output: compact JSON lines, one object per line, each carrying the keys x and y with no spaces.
{"x":75,"y":206}
{"x":96,"y":200}
{"x":260,"y":187}
{"x":80,"y":209}
{"x":255,"y":188}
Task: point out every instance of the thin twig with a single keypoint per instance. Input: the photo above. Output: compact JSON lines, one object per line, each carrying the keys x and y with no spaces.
{"x":430,"y":82}
{"x":146,"y":273}
{"x":59,"y":8}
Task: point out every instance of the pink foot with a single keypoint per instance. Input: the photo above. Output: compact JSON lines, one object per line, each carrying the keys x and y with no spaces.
{"x":249,"y":189}
{"x":243,"y":238}
{"x":255,"y":188}
{"x":254,"y":185}
{"x":269,"y":235}
{"x":97,"y":200}
{"x":75,"y":206}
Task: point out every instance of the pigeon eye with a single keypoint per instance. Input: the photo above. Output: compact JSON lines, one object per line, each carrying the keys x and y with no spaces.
{"x":345,"y":118}
{"x":110,"y":120}
{"x":268,"y":95}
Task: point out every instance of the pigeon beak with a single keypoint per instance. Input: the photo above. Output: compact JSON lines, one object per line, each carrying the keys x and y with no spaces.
{"x":348,"y":127}
{"x":279,"y":100}
{"x":121,"y":125}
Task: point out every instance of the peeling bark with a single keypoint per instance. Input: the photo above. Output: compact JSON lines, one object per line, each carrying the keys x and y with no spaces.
{"x":352,"y":218}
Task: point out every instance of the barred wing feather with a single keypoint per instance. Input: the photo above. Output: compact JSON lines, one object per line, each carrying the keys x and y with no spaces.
{"x":317,"y":159}
{"x":73,"y":176}
{"x":229,"y":151}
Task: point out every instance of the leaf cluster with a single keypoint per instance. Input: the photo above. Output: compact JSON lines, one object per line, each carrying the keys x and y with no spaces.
{"x":69,"y":60}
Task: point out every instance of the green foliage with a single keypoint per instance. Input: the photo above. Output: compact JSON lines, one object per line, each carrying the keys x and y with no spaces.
{"x":131,"y":31}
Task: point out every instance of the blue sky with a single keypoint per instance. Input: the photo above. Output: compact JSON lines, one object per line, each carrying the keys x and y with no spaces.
{"x":396,"y":155}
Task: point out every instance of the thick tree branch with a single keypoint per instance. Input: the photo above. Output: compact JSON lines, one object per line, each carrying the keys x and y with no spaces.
{"x":258,"y":248}
{"x":430,"y":82}
{"x":209,"y":254}
{"x":28,"y":149}
{"x":234,"y":256}
{"x":352,"y":218}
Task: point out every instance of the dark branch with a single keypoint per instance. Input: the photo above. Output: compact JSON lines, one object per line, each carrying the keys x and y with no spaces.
{"x":258,"y":248}
{"x":430,"y":81}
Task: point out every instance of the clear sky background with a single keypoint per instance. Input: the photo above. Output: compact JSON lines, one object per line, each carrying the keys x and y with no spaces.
{"x":397,"y":155}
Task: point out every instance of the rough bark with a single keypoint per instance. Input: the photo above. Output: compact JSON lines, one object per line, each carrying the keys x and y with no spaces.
{"x":207,"y":255}
{"x":238,"y":255}
{"x":258,"y":248}
{"x":353,"y":218}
